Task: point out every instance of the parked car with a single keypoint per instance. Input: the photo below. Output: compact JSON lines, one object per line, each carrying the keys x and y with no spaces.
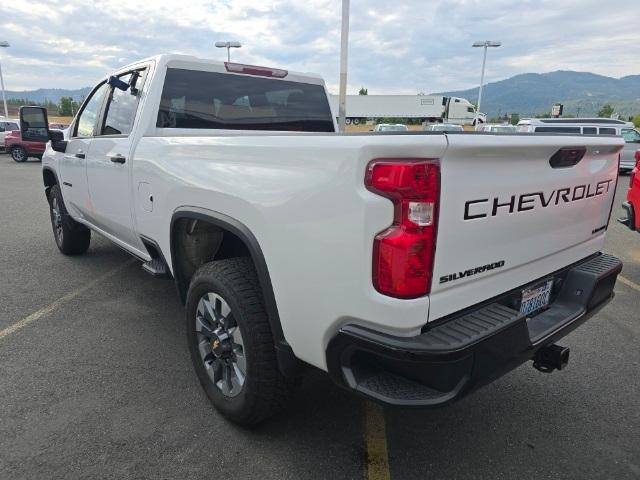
{"x":632,"y":144}
{"x":444,"y":127}
{"x":497,"y":128}
{"x":58,"y":126}
{"x":20,"y":149}
{"x":632,"y":205}
{"x":7,"y":125}
{"x":320,"y":249}
{"x":390,"y":127}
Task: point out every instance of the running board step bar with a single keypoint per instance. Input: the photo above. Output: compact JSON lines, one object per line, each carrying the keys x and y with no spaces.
{"x":157,"y":268}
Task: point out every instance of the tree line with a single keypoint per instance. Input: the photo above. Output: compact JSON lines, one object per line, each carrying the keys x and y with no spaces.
{"x":66,"y":106}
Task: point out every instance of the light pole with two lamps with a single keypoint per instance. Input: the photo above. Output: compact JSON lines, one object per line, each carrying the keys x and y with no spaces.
{"x":485,"y":44}
{"x":228,"y":46}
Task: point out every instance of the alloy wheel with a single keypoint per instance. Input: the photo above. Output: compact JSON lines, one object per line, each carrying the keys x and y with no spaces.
{"x":220,"y":344}
{"x":56,"y":219}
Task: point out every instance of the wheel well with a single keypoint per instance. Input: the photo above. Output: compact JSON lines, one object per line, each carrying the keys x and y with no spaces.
{"x":199,"y":236}
{"x":49,"y":179}
{"x":196,"y":242}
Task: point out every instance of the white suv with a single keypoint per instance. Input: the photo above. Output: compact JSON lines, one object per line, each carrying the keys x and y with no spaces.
{"x":7,"y":125}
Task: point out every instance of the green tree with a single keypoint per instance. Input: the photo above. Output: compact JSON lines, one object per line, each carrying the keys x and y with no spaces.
{"x":606,"y":111}
{"x":636,"y":121}
{"x":363,"y":91}
{"x":515,"y":118}
{"x":67,"y":107}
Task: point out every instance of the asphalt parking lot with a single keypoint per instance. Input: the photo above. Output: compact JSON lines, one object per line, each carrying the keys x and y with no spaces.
{"x":96,"y":382}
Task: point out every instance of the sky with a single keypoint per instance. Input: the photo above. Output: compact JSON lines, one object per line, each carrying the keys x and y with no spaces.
{"x":394,"y":46}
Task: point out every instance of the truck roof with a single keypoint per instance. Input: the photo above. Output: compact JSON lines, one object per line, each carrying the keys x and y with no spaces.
{"x":176,"y":60}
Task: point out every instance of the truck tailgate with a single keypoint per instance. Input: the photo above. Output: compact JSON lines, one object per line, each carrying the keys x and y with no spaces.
{"x":509,"y":214}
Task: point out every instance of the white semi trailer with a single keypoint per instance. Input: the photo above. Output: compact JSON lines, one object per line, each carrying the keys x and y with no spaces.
{"x":430,"y":108}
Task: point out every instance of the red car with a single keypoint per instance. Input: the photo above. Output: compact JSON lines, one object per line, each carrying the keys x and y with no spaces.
{"x":21,"y":150}
{"x":632,"y":205}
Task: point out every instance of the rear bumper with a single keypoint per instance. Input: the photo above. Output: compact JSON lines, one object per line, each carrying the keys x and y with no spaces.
{"x":469,"y":349}
{"x":627,"y":165}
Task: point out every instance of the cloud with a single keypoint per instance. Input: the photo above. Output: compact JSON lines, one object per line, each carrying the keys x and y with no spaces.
{"x":395,"y":47}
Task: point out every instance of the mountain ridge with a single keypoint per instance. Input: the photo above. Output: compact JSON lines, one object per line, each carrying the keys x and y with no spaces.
{"x":581,"y":93}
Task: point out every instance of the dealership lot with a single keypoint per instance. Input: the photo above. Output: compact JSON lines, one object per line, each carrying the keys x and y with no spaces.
{"x":97,"y":382}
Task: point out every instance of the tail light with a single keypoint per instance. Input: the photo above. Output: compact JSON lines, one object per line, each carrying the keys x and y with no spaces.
{"x":403,"y":253}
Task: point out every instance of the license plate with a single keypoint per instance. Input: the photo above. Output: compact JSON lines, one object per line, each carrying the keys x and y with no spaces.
{"x":536,"y":298}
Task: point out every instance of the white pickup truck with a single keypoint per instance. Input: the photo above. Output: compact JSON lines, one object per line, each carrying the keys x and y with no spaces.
{"x":413,"y":267}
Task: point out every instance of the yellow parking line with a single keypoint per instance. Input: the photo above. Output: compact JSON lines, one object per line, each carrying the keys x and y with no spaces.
{"x":629,"y":283}
{"x":376,"y":438}
{"x":55,"y":304}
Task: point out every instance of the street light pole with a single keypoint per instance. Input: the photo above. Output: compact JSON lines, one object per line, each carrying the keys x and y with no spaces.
{"x":486,"y":44}
{"x":4,"y":97}
{"x":344,"y":50}
{"x":228,"y":46}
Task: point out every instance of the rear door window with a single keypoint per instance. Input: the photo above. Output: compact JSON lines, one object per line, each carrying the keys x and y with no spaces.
{"x":122,"y":106}
{"x":211,"y":100}
{"x":589,"y":130}
{"x":608,"y":131}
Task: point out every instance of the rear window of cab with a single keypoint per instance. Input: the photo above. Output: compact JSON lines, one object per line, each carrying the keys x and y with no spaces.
{"x":211,"y":100}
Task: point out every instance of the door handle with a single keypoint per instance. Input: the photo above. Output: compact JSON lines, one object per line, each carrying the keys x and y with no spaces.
{"x":118,"y":159}
{"x":80,"y":154}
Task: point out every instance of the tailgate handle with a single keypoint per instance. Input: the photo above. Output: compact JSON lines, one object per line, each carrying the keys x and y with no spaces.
{"x":567,"y":157}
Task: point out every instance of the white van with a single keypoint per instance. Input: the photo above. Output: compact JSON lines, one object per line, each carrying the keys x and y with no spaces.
{"x":581,"y":126}
{"x":589,"y":126}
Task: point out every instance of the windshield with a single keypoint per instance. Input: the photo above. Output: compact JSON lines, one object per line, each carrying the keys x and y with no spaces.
{"x":9,"y":126}
{"x":504,"y":129}
{"x":392,"y":128}
{"x":631,"y":135}
{"x":446,"y":128}
{"x":197,"y":99}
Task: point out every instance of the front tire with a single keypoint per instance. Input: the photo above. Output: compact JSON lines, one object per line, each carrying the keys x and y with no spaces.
{"x":231,"y":342}
{"x":72,"y":238}
{"x":19,"y":154}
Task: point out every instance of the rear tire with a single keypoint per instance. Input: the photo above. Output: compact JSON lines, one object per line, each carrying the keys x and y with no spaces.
{"x":231,"y":342}
{"x":19,"y":154}
{"x":72,"y":238}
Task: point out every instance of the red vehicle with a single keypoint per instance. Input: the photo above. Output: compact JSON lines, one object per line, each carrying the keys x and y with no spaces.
{"x":632,"y":205}
{"x":21,"y":150}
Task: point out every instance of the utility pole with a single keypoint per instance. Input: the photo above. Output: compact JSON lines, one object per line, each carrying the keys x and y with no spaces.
{"x":4,"y":97}
{"x":344,"y":50}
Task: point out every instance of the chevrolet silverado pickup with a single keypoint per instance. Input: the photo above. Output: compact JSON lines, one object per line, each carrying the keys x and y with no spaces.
{"x":413,"y":267}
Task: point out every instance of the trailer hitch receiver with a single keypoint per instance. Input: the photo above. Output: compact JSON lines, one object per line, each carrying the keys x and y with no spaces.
{"x":550,"y":358}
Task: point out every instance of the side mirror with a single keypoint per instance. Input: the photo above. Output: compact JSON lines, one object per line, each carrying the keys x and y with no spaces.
{"x":58,"y":143}
{"x":34,"y":127}
{"x":34,"y":124}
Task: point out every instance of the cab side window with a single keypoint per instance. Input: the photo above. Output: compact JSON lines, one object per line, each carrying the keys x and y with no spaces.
{"x":89,"y":116}
{"x":122,"y":106}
